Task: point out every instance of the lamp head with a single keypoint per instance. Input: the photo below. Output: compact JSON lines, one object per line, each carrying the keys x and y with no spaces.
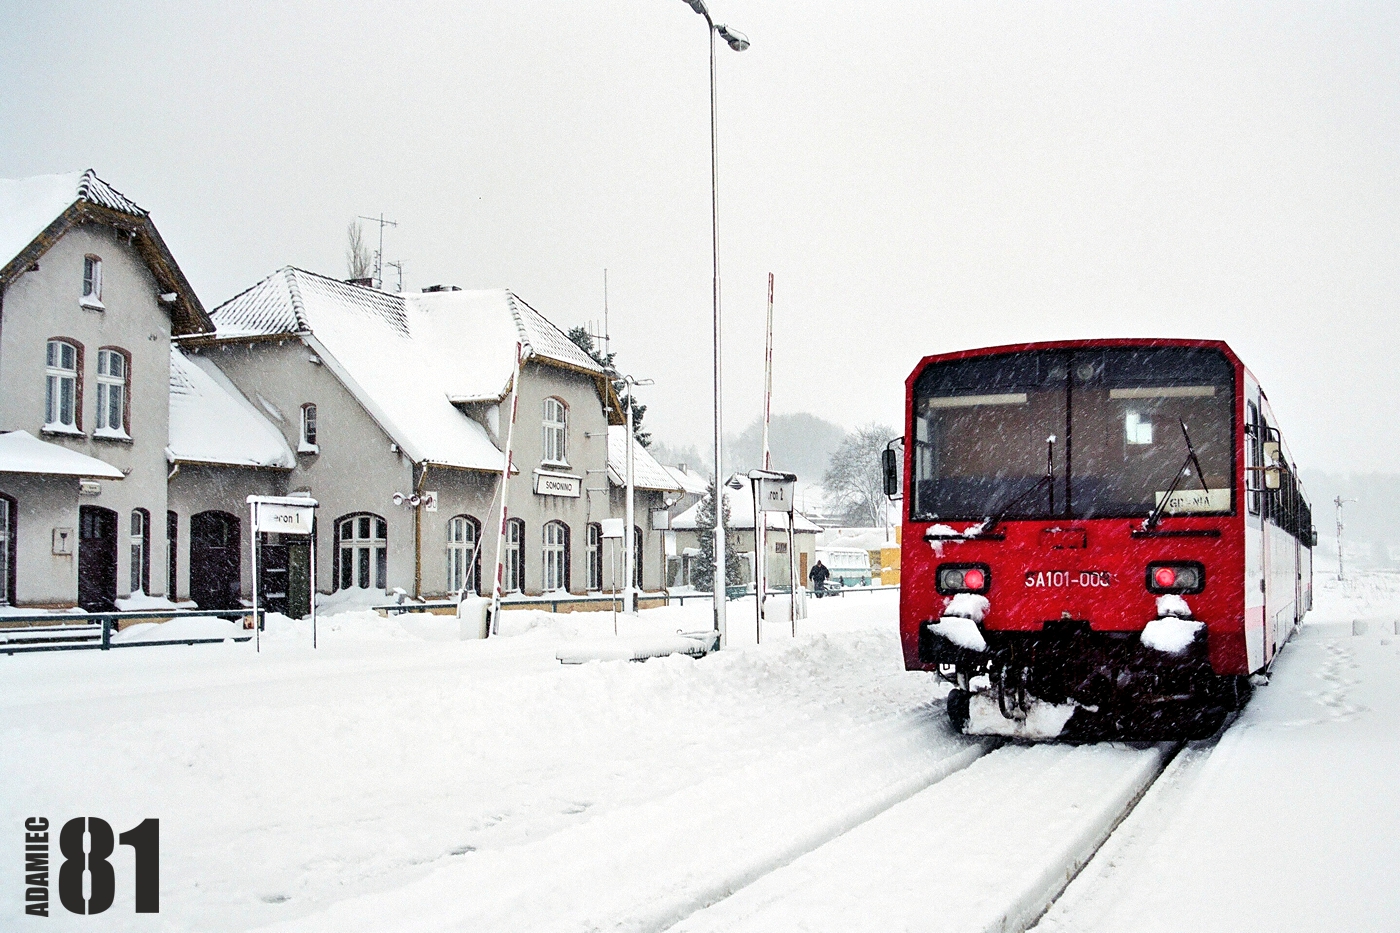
{"x":737,"y":40}
{"x":698,"y":6}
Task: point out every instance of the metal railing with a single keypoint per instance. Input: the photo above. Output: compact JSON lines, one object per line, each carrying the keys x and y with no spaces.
{"x":606,"y":600}
{"x":48,"y":631}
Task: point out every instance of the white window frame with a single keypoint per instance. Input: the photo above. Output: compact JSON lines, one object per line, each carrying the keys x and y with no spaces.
{"x":139,"y":525}
{"x":555,"y":430}
{"x":309,"y":438}
{"x":595,"y":557}
{"x":112,"y":389}
{"x":556,"y":555}
{"x":56,"y":376}
{"x":461,"y":547}
{"x":514,"y":567}
{"x":92,"y":283}
{"x":366,"y":547}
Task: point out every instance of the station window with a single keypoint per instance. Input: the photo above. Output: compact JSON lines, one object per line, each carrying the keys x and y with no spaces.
{"x":364,"y":552}
{"x":514,"y":569}
{"x":63,"y":385}
{"x":113,"y":390}
{"x":595,"y":557}
{"x":556,"y":556}
{"x":92,"y":281}
{"x":140,"y":550}
{"x":308,"y":444}
{"x":463,"y":531}
{"x":556,"y":446}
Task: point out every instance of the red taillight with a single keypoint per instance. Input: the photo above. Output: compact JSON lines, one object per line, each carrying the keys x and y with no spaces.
{"x":1165,"y":577}
{"x":974,"y":579}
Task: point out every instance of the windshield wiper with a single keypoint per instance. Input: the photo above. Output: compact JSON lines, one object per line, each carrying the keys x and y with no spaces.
{"x":1048,"y":479}
{"x":1191,"y":460}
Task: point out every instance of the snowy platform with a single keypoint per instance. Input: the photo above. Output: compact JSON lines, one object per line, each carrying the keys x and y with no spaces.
{"x":634,"y":648}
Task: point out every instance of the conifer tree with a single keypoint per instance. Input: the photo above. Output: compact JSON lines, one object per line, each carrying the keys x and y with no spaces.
{"x":584,"y":341}
{"x":703,"y":575}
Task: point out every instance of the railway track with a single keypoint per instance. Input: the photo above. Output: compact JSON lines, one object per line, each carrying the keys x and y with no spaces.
{"x":990,"y":847}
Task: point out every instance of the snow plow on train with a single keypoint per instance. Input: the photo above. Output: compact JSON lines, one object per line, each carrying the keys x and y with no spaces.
{"x":1102,"y":539}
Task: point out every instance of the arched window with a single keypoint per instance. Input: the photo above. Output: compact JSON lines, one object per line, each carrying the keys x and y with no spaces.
{"x":92,"y":281}
{"x":363,"y":543}
{"x":308,"y":444}
{"x":140,"y":550}
{"x":637,"y":539}
{"x":595,"y":557}
{"x":7,"y":550}
{"x":556,"y":431}
{"x":63,"y":400}
{"x":514,"y":567}
{"x":113,"y":390}
{"x":556,"y":556}
{"x":463,"y":560}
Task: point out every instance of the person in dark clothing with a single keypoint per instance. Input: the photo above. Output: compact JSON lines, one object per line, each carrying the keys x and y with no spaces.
{"x":818,"y":577}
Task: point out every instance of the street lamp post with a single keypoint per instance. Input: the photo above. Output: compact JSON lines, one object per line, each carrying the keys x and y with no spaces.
{"x":1340,"y":502}
{"x":738,"y":42}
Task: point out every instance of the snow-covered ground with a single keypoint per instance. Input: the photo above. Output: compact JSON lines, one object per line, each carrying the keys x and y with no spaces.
{"x":1290,"y":820}
{"x":400,"y":778}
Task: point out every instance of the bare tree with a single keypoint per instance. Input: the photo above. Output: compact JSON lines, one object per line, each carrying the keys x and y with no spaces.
{"x":853,"y":477}
{"x":358,"y":260}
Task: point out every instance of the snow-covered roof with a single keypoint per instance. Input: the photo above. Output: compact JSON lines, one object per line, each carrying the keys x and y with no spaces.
{"x":741,"y":512}
{"x":469,"y":336}
{"x":29,"y":205}
{"x":22,"y":452}
{"x":211,"y":421}
{"x":693,"y":483}
{"x":458,"y":346}
{"x":646,"y":472}
{"x":37,"y":212}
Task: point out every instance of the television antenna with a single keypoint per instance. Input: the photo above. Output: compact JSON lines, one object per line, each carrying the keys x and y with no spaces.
{"x":379,"y":253}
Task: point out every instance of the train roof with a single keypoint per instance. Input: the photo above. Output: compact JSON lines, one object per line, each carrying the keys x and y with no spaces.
{"x":1096,"y":343}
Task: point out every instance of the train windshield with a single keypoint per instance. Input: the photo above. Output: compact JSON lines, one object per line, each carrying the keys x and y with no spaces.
{"x":1073,"y":434}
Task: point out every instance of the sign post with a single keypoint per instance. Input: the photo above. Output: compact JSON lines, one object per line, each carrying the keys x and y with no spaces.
{"x":284,"y":515}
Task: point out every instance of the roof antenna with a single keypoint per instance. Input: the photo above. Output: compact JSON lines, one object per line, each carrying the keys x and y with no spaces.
{"x":379,"y":253}
{"x":397,"y":266}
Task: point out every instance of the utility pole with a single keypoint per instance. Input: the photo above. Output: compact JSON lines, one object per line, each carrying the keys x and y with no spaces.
{"x":1339,"y":502}
{"x":379,"y":254}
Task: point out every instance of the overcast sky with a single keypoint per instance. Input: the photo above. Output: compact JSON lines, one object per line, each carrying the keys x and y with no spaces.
{"x":920,"y":177}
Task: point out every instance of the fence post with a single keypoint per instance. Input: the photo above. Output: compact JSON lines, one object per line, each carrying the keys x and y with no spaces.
{"x":106,"y":634}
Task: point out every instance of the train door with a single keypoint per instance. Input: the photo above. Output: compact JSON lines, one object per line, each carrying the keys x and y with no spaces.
{"x":97,"y":558}
{"x":1255,"y":532}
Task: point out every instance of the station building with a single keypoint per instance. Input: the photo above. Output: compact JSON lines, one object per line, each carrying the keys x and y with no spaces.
{"x":148,"y":421}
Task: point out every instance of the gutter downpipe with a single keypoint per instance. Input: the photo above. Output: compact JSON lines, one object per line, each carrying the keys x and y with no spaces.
{"x":418,"y":534}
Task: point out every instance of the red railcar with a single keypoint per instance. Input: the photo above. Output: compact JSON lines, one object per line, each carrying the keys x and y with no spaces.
{"x":1101,"y":537}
